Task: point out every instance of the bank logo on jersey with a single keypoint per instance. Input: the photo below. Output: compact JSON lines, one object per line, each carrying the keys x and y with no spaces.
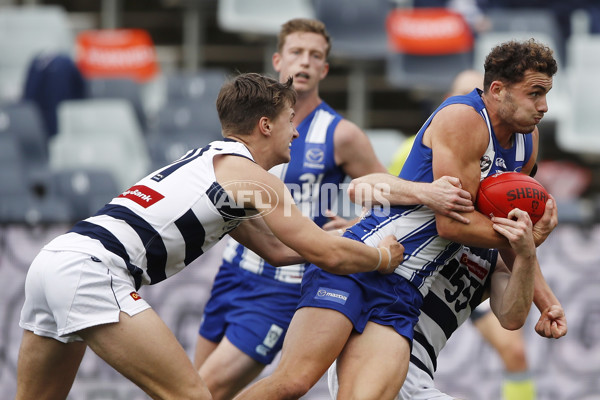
{"x":474,"y":266}
{"x":142,"y":195}
{"x":337,"y":296}
{"x":314,"y":157}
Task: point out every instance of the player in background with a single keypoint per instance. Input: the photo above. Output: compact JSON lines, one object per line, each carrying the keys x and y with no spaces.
{"x":252,"y":302}
{"x":365,"y":320}
{"x":81,"y":289}
{"x":518,"y":381}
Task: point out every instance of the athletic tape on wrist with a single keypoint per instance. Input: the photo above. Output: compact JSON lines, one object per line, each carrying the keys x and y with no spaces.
{"x":379,"y":262}
{"x":390,"y":257}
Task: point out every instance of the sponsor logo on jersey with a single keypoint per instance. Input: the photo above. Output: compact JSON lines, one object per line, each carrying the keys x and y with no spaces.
{"x":337,"y":296}
{"x":314,"y":157}
{"x":474,"y":267}
{"x":135,"y":296}
{"x":142,"y":195}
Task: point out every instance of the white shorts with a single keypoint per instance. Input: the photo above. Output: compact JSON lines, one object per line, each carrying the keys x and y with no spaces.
{"x":417,"y":386}
{"x":420,"y":386}
{"x":66,"y":291}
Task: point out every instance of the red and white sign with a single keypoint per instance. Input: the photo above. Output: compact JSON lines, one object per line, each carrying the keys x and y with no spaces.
{"x":428,"y":31}
{"x":116,"y":53}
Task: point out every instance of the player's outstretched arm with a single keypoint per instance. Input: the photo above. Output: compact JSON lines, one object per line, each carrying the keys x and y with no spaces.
{"x":256,"y":235}
{"x":252,"y":187}
{"x":445,"y":195}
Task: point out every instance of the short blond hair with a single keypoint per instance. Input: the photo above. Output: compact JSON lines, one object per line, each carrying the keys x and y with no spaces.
{"x":303,"y":25}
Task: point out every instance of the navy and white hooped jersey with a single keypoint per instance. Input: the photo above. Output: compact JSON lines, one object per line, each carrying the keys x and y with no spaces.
{"x":414,"y":226}
{"x":454,"y":293}
{"x":166,"y":220}
{"x":313,"y":179}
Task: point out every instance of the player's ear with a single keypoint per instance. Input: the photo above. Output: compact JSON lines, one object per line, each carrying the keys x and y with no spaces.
{"x":264,"y":125}
{"x":325,"y":70}
{"x":276,"y":60}
{"x":496,"y":88}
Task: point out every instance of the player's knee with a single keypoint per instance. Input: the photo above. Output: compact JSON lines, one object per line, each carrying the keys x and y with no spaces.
{"x":515,"y":357}
{"x":294,"y":387}
{"x":192,"y":390}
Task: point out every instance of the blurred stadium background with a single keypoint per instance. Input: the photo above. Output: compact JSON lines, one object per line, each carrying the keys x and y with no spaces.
{"x":95,"y":94}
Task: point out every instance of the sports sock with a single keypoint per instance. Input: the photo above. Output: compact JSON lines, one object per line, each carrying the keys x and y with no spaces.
{"x":518,"y":386}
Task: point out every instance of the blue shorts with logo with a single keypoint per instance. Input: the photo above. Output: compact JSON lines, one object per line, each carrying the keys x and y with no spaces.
{"x":384,"y":299}
{"x":251,"y":310}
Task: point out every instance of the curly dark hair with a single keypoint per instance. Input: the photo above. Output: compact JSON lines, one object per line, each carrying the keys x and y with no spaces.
{"x":509,"y":61}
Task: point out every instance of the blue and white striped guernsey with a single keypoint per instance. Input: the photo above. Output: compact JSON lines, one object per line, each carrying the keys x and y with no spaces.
{"x":414,"y":226}
{"x":454,"y":293}
{"x":313,"y":179}
{"x":165,"y":221}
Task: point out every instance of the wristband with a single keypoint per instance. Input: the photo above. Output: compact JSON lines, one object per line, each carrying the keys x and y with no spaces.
{"x":379,"y":262}
{"x":390,"y":257}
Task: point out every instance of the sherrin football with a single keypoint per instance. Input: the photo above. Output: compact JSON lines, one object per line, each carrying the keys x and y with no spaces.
{"x":499,"y":193}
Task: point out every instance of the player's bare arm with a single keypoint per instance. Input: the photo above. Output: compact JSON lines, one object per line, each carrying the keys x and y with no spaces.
{"x":354,"y":153}
{"x":255,"y":234}
{"x":274,"y":203}
{"x":512,"y":294}
{"x":353,"y":150}
{"x":444,"y":195}
{"x":458,"y":138}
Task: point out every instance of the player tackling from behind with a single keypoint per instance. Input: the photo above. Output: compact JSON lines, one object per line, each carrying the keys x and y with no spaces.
{"x":81,"y":289}
{"x":252,"y":302}
{"x":370,"y":331}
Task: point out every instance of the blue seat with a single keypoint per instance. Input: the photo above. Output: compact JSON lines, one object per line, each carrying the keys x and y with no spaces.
{"x":358,"y":36}
{"x":429,"y":73}
{"x":356,"y":27}
{"x":191,"y":86}
{"x":24,"y":122}
{"x":86,"y":190}
{"x":102,"y":134}
{"x":191,"y":117}
{"x":164,"y":149}
{"x":21,"y":202}
{"x":262,"y":17}
{"x":118,"y":88}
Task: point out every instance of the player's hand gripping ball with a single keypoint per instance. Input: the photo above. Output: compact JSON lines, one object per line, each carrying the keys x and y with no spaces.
{"x":499,"y":193}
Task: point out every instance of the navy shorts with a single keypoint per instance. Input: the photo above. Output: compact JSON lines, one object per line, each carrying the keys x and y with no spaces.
{"x":384,"y":299}
{"x":251,"y":310}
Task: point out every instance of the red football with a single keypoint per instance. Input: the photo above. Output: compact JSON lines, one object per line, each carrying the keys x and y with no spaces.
{"x":499,"y":193}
